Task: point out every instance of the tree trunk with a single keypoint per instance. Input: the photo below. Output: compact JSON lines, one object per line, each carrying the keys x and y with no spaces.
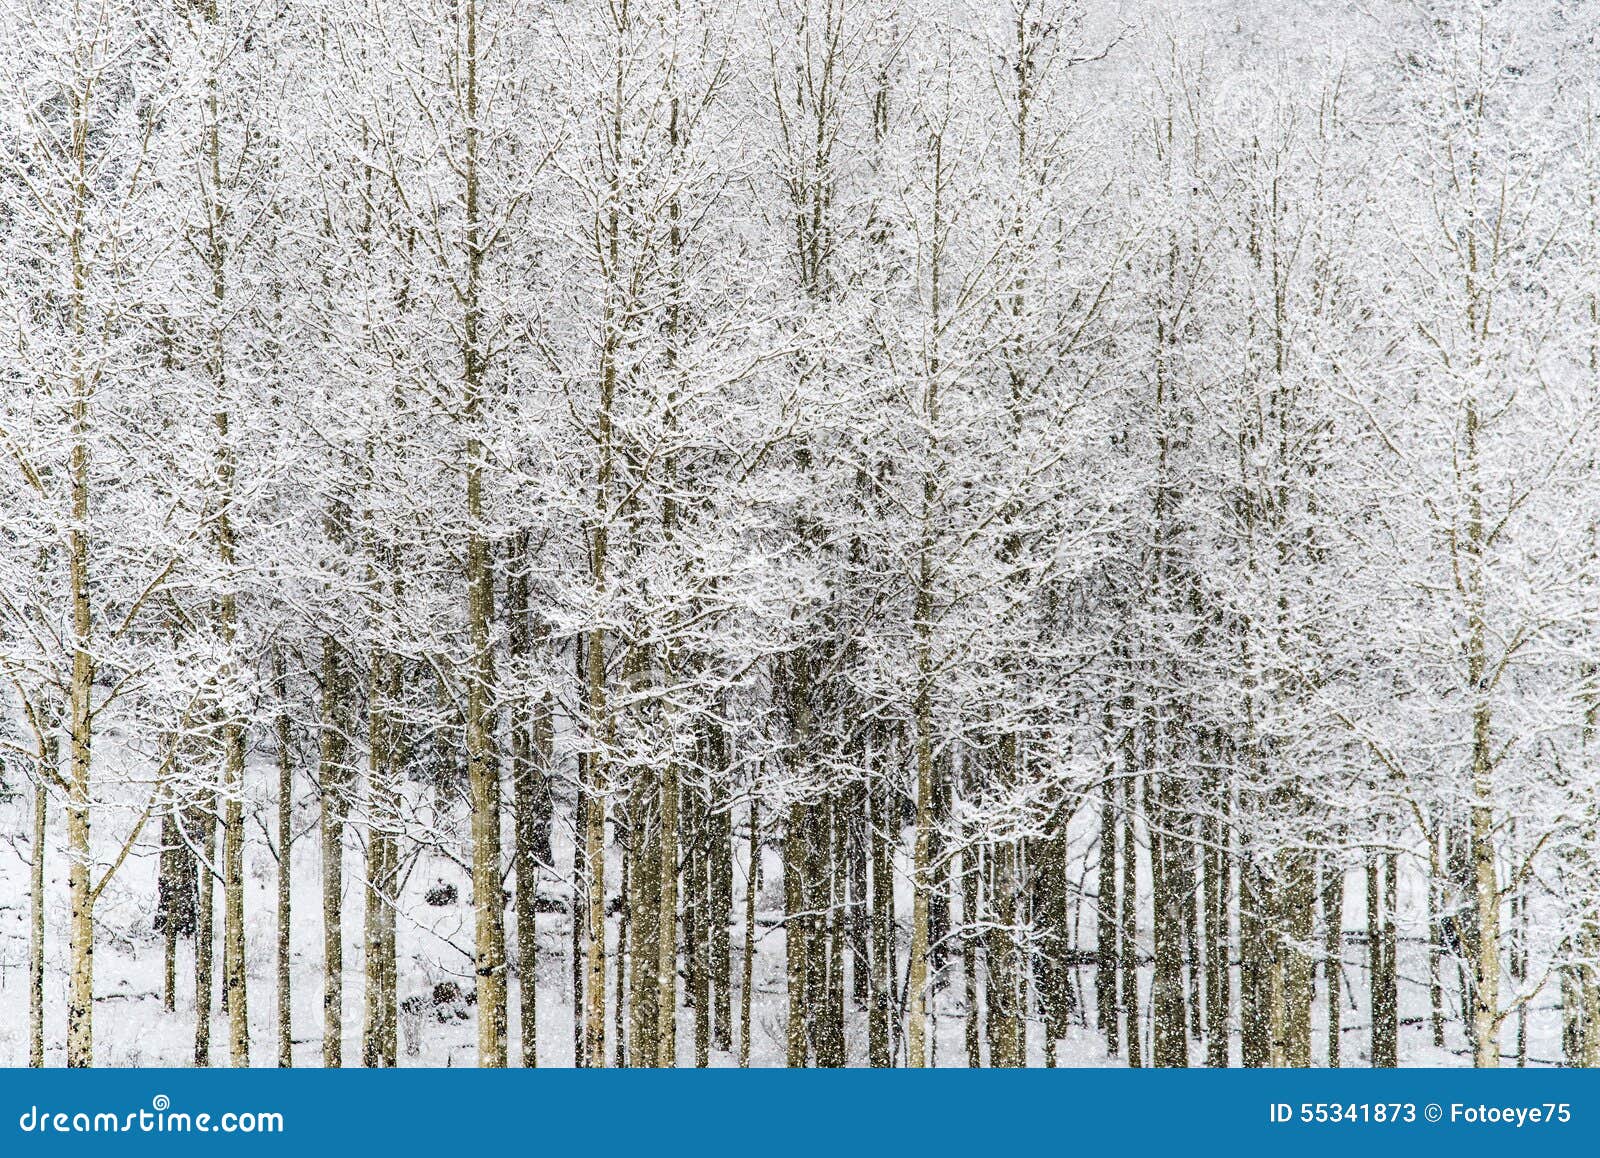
{"x":205,"y":929}
{"x":382,"y":864}
{"x":1380,"y":957}
{"x":483,"y":765}
{"x":752,"y":888}
{"x":1219,"y":972}
{"x":698,"y":949}
{"x":1169,"y":1018}
{"x":921,"y":874}
{"x":1297,"y":911}
{"x":580,"y":902}
{"x":1255,"y":967}
{"x":883,"y":828}
{"x":285,"y":842}
{"x":1106,"y":964}
{"x":720,"y":870}
{"x":1436,"y":926}
{"x":1333,"y":951}
{"x":971,"y":918}
{"x":666,"y":966}
{"x":1005,"y":974}
{"x":331,"y":771}
{"x":41,"y":805}
{"x":1130,"y":923}
{"x":80,"y":716}
{"x":794,"y":933}
{"x":619,"y":964}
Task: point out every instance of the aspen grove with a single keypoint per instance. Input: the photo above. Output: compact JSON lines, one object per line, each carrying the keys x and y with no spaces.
{"x":799,"y":532}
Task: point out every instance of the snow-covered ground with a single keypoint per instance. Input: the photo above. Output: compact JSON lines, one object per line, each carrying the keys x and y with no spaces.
{"x":133,"y":1029}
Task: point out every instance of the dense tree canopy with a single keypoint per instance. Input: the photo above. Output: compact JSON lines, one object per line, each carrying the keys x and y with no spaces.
{"x":821,"y":532}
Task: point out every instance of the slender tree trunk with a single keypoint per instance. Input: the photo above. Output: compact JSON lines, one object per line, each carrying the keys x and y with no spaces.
{"x":666,"y":967}
{"x":234,"y":986}
{"x":580,"y":902}
{"x":527,"y":905}
{"x":1333,"y":951}
{"x":331,"y":771}
{"x":720,"y":871}
{"x":531,"y":805}
{"x":1106,"y":964}
{"x":698,"y":948}
{"x":858,"y":819}
{"x":205,"y":929}
{"x":795,"y":941}
{"x":483,"y":765}
{"x":825,"y":957}
{"x":752,"y":889}
{"x":1130,"y":923}
{"x":1005,"y":980}
{"x":882,"y":828}
{"x":625,"y":908}
{"x":1194,"y":958}
{"x":1169,"y":1019}
{"x":921,"y":874}
{"x":285,"y":842}
{"x":80,"y":716}
{"x":923,"y":885}
{"x":1381,"y":964}
{"x":1298,"y":912}
{"x":971,"y":917}
{"x":1588,"y":979}
{"x":377,"y":894}
{"x":1219,"y":974}
{"x":1255,"y":967}
{"x":1436,"y":921}
{"x":169,"y":888}
{"x":643,"y":917}
{"x":41,"y":806}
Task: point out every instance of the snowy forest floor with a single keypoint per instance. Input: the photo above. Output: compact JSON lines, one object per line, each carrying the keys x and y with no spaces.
{"x":132,"y":1028}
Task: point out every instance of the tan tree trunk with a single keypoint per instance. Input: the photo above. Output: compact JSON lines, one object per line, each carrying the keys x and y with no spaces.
{"x":1130,"y":922}
{"x":1106,"y":963}
{"x":378,"y":1037}
{"x":530,"y":762}
{"x":794,"y":931}
{"x":1297,"y":913}
{"x":1333,"y":952}
{"x":1255,"y":966}
{"x":1219,"y":968}
{"x":285,"y":848}
{"x":334,"y":750}
{"x":80,"y":998}
{"x":720,"y":873}
{"x":882,"y":825}
{"x":483,"y":766}
{"x":666,"y":966}
{"x":752,"y":888}
{"x":921,"y":890}
{"x":1486,"y":1013}
{"x":1169,"y":1034}
{"x":1381,"y":965}
{"x":41,"y":805}
{"x":971,"y":917}
{"x":205,"y":928}
{"x":1005,"y":977}
{"x":698,"y":947}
